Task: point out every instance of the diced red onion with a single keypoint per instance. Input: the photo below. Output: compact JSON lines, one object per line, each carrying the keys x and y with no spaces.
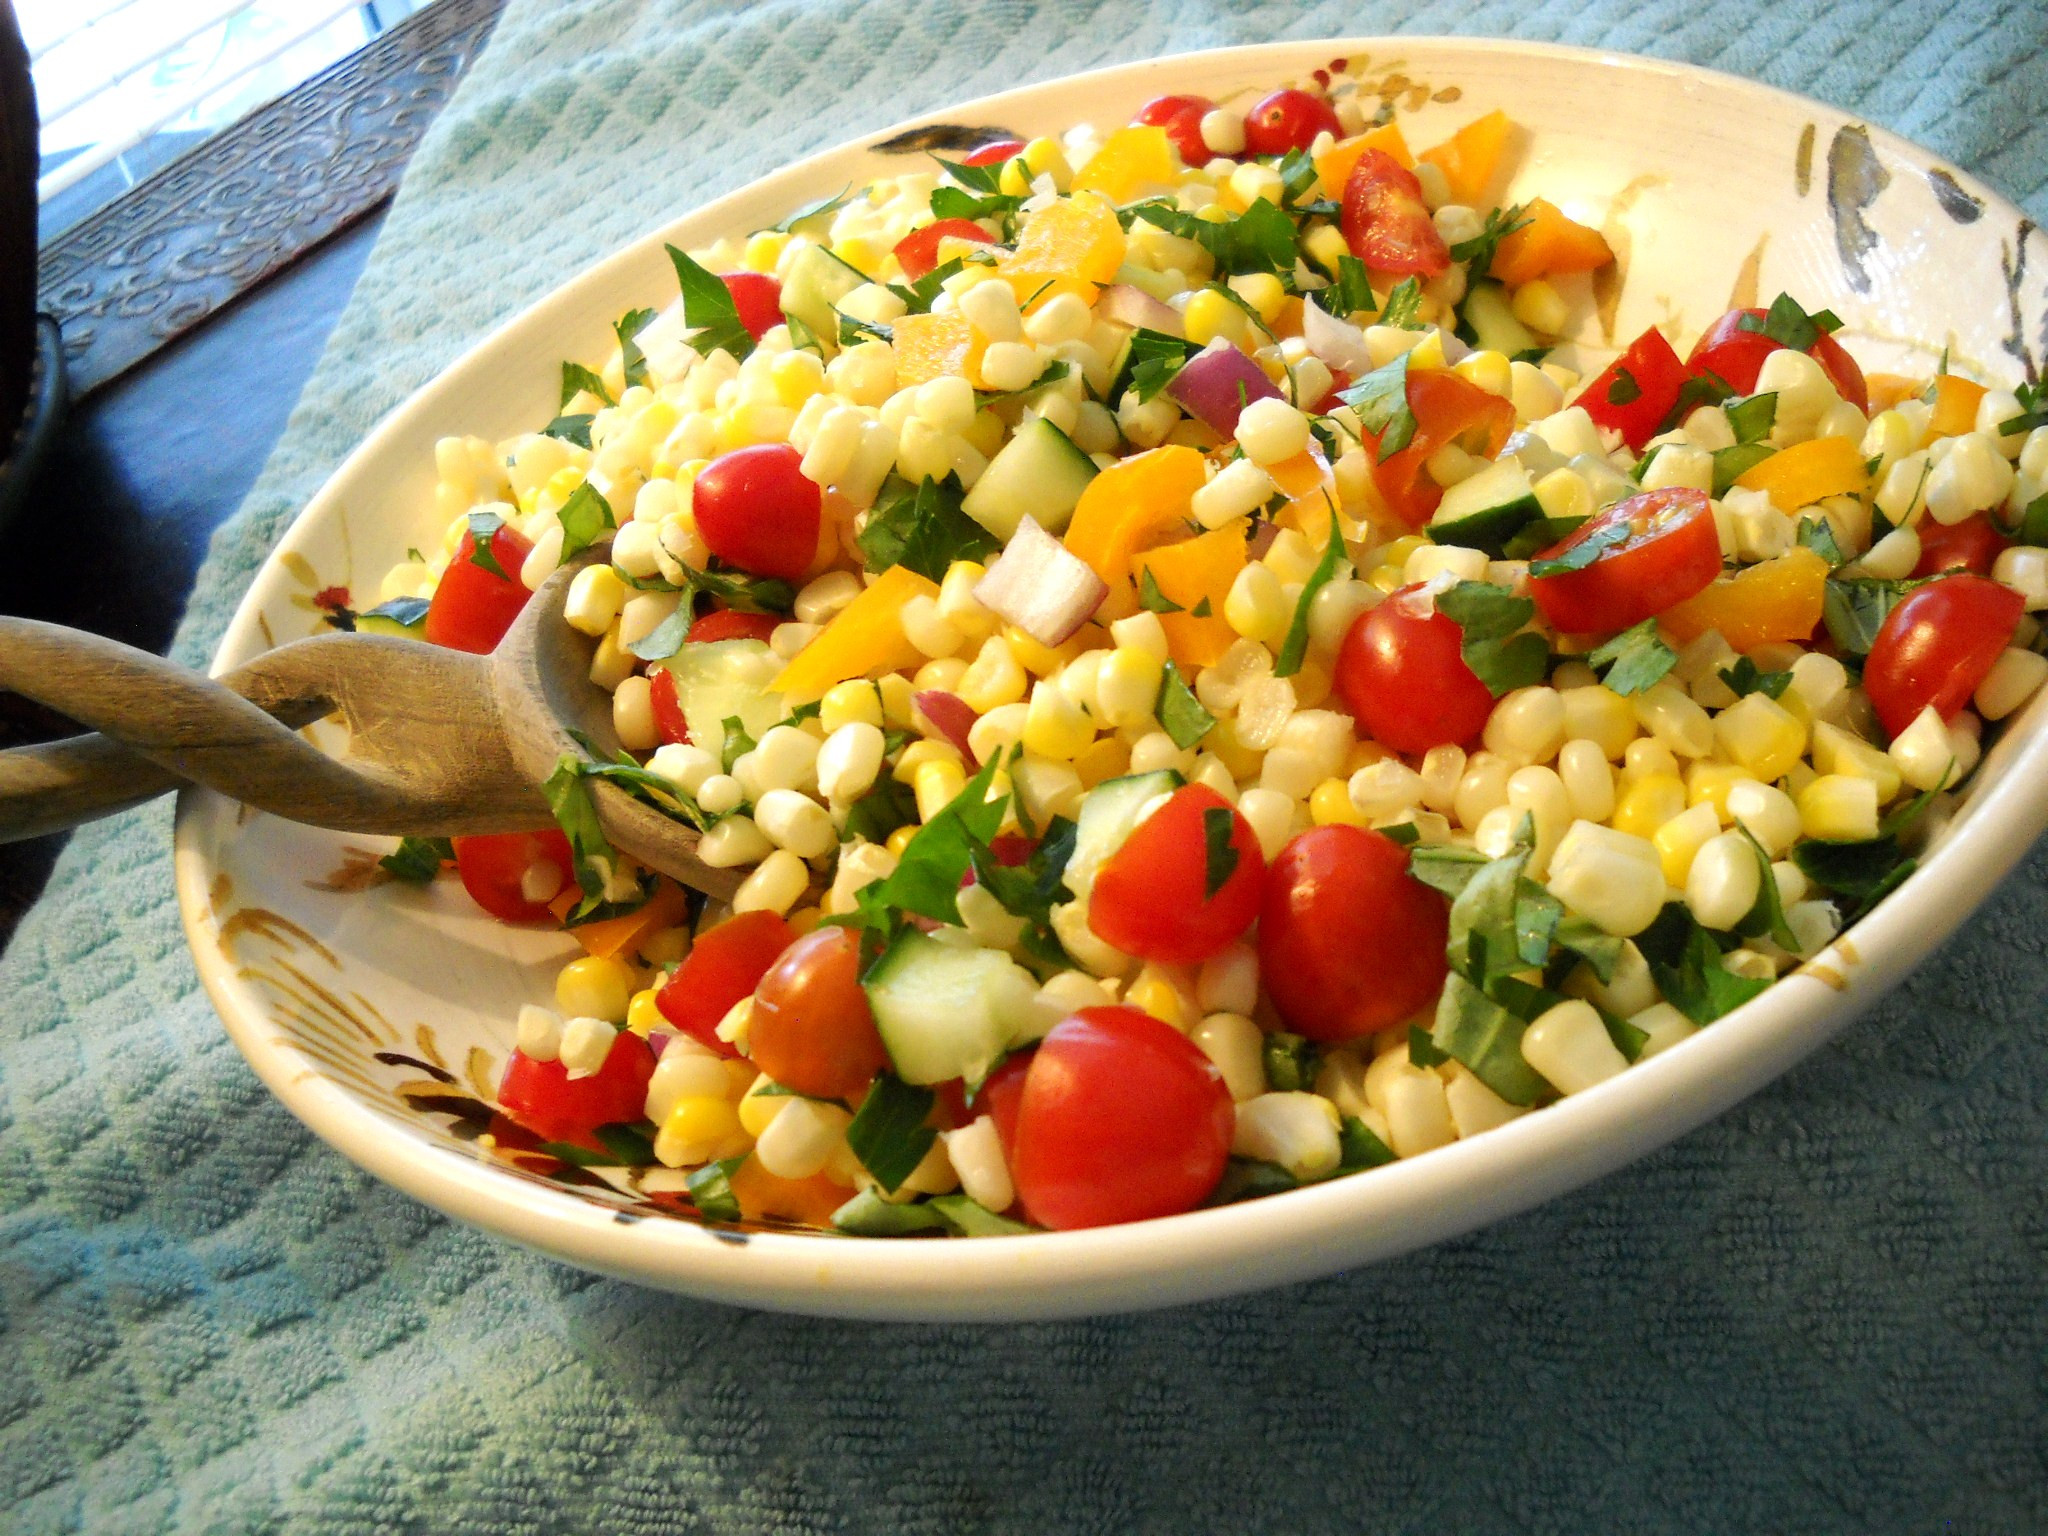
{"x":951,"y":716}
{"x":1216,"y":387}
{"x":1041,"y":586}
{"x":1127,"y":304}
{"x":1337,"y":342}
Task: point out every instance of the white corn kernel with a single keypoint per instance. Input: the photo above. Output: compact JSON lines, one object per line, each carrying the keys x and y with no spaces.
{"x":1418,"y":1114}
{"x":1766,"y":811}
{"x":585,"y":1043}
{"x":1298,"y":1131}
{"x":733,"y":841}
{"x":1722,"y":884}
{"x":1475,"y":1107}
{"x":2013,"y":679}
{"x":1922,"y":754}
{"x":1229,"y":982}
{"x":1675,"y":720}
{"x":796,"y":822}
{"x":1527,"y":726}
{"x":1271,"y":816}
{"x":594,"y":599}
{"x":1970,"y":477}
{"x":824,"y":598}
{"x":540,"y":1032}
{"x":1613,"y":879}
{"x":1271,"y":431}
{"x":1237,"y":1048}
{"x":1588,"y":779}
{"x":1664,"y":1026}
{"x":1569,"y":1046}
{"x":800,"y":1140}
{"x":2024,"y":569}
{"x":850,"y":760}
{"x":774,"y":886}
{"x":975,"y":1149}
{"x":633,"y":715}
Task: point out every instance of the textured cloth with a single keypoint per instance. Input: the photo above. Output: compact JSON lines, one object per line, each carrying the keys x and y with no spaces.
{"x":1826,"y":1311}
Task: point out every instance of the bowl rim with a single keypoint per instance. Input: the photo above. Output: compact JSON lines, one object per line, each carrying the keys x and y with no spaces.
{"x":1205,"y":1253}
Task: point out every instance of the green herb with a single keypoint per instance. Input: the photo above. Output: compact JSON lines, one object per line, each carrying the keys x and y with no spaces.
{"x":957,"y":203}
{"x":1474,"y":1029}
{"x":625,"y":1146}
{"x":1032,"y":890}
{"x":853,"y":332}
{"x":408,"y":612}
{"x":1478,"y":251}
{"x":1232,"y":296}
{"x":649,"y":788}
{"x":1855,"y":608}
{"x":1181,"y":714}
{"x":2033,"y":528}
{"x":1642,"y":465}
{"x":1298,"y":176}
{"x":1818,"y":535}
{"x":976,"y":178}
{"x":1592,"y":944}
{"x":867,"y":1214}
{"x":1685,"y":962}
{"x":711,"y":1187}
{"x":889,"y":1134}
{"x":2033,"y":403}
{"x":1261,"y":239}
{"x":1404,"y":305}
{"x":1294,"y":649}
{"x":1201,"y":610}
{"x":591,"y":856}
{"x":570,"y":429}
{"x":632,"y":361}
{"x":970,"y":1218}
{"x":709,"y":310}
{"x":801,"y":337}
{"x":926,"y":880}
{"x":1502,"y":922}
{"x":1751,"y":419}
{"x":578,"y":380}
{"x":1406,"y":833}
{"x":1247,"y":1178}
{"x":1587,"y":550}
{"x":1864,"y":872}
{"x":746,"y":594}
{"x":1745,"y":677}
{"x":889,"y":805}
{"x":584,"y":516}
{"x":1350,"y":293}
{"x":1422,"y":1051}
{"x":1731,"y":464}
{"x":737,"y":743}
{"x":1636,"y":659}
{"x":417,"y":860}
{"x":483,"y":533}
{"x":1789,"y":325}
{"x":1358,"y":1147}
{"x":1500,"y":654}
{"x":1623,"y":389}
{"x":1153,"y":358}
{"x":1291,"y":1063}
{"x":922,"y":292}
{"x":925,"y":529}
{"x":1380,"y":400}
{"x":1700,"y":389}
{"x":1150,"y":598}
{"x":1052,"y":373}
{"x":1445,"y":867}
{"x":1766,"y":915}
{"x":1537,"y":535}
{"x":1219,"y":851}
{"x":812,"y":210}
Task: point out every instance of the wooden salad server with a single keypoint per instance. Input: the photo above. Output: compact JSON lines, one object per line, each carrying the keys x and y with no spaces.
{"x":441,"y":743}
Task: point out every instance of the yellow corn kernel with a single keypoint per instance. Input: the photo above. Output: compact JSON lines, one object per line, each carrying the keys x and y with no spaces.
{"x":1256,"y":606}
{"x":854,"y":703}
{"x":1044,"y":157}
{"x":1312,"y":684}
{"x":1837,"y":751}
{"x":1540,"y":307}
{"x":1683,"y":836}
{"x":701,"y":1125}
{"x":863,"y":255}
{"x":1491,"y":371}
{"x":1127,"y":686}
{"x":1157,"y":996}
{"x":1396,"y":554}
{"x":1761,"y":734}
{"x":764,"y":250}
{"x":740,"y":1076}
{"x":757,"y":1109}
{"x":899,"y":697}
{"x":1012,"y":180}
{"x":900,"y":840}
{"x":1386,"y":577}
{"x":595,"y":987}
{"x":993,"y":678}
{"x":985,"y":433}
{"x":1329,"y":805}
{"x":751,"y":422}
{"x":804,"y":919}
{"x":918,"y":753}
{"x":1839,"y":808}
{"x":1242,"y":761}
{"x":1648,"y":803}
{"x":935,"y":785}
{"x":642,"y":1014}
{"x":658,"y":420}
{"x":1041,"y":660}
{"x":1210,"y":315}
{"x":1055,"y":726}
{"x":1325,"y":245}
{"x":1708,"y":783}
{"x":665,"y":946}
{"x":1108,"y":758}
{"x":1263,"y":291}
{"x":797,"y":376}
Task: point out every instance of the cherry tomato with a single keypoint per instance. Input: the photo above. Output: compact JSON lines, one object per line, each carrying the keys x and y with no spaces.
{"x":757,"y":297}
{"x":1350,"y":943}
{"x":1288,"y":119}
{"x":1669,"y":552}
{"x":1000,"y":1094}
{"x":1401,"y":672}
{"x":1638,"y":390}
{"x":473,"y":607}
{"x":1447,"y":409}
{"x":1181,"y":117}
{"x":723,"y":966}
{"x":669,"y":719}
{"x":542,"y":1097}
{"x":1385,"y":221}
{"x":811,"y":1028}
{"x":1936,"y":645}
{"x":1121,"y":1118}
{"x":1736,"y":356}
{"x":729,"y":624}
{"x":1339,"y":382}
{"x":993,"y":154}
{"x":755,"y":509}
{"x":1184,"y":884}
{"x":1971,"y":545}
{"x":918,"y":252}
{"x":493,"y":868}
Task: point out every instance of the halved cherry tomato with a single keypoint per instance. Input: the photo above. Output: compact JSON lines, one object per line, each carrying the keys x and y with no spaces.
{"x":473,"y":607}
{"x":1638,"y":390}
{"x":1971,"y":545}
{"x":1669,"y":552}
{"x":1736,"y":356}
{"x":1181,"y":117}
{"x":541,"y":1096}
{"x":757,"y":297}
{"x":1447,"y":409}
{"x":811,"y":1028}
{"x":1184,"y":884}
{"x":1401,"y":672}
{"x":493,"y":868}
{"x":723,"y":966}
{"x":1350,"y":943}
{"x":918,"y":252}
{"x":730,"y":624}
{"x":1385,"y":221}
{"x":1339,"y":382}
{"x":668,"y":709}
{"x":1936,"y":646}
{"x":755,"y":508}
{"x":1288,"y":119}
{"x":1121,"y":1118}
{"x":994,"y":153}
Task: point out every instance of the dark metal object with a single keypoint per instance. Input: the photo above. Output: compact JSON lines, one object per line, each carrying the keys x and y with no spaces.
{"x":188,"y":240}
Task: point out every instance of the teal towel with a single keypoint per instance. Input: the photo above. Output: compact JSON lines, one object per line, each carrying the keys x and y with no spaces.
{"x":1827,"y":1311}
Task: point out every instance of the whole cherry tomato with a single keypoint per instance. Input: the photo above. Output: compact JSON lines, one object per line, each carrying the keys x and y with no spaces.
{"x":476,"y":603}
{"x":1401,"y":672}
{"x":918,"y":252}
{"x":755,"y":509}
{"x":811,"y":1028}
{"x":1385,"y":221}
{"x":1656,"y":549}
{"x":1288,"y":119}
{"x":542,"y":1097}
{"x":669,"y":719}
{"x":1184,"y":884}
{"x":757,"y":297}
{"x":1121,"y":1118}
{"x":1181,"y":117}
{"x":1971,"y":545}
{"x":1936,"y":646}
{"x":1636,"y":392}
{"x":1447,"y":409}
{"x":494,"y":866}
{"x":1736,"y":355}
{"x":993,"y":153}
{"x":723,"y":966}
{"x":1350,"y":943}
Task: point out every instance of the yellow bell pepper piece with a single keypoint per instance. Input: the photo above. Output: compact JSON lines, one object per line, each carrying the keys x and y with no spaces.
{"x":866,"y":639}
{"x":1471,"y":157}
{"x":1955,"y":406}
{"x":1548,"y":243}
{"x":762,"y":1196}
{"x":1193,"y":572}
{"x":1807,"y":472}
{"x":1772,"y":600}
{"x":1131,"y":503}
{"x":1333,"y":167}
{"x":622,"y":936}
{"x":931,"y":346}
{"x":1131,"y":161}
{"x":1072,"y":245}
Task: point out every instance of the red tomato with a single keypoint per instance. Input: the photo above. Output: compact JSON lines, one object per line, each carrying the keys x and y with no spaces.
{"x":1971,"y":545}
{"x":1735,"y":356}
{"x":1447,"y":409}
{"x":758,"y":298}
{"x":1401,"y":672}
{"x":668,"y":709}
{"x":1000,"y":1094}
{"x":723,"y":966}
{"x":755,"y":509}
{"x":1671,"y":551}
{"x":1339,"y":382}
{"x":1161,"y":897}
{"x":1350,"y":943}
{"x":1385,"y":221}
{"x":729,"y":624}
{"x":918,"y":252}
{"x":1181,"y":117}
{"x":1121,"y":1118}
{"x":473,"y":607}
{"x":493,"y":868}
{"x":1936,"y":645}
{"x":1288,"y":119}
{"x":1636,"y":405}
{"x":812,"y":1029}
{"x":992,"y":154}
{"x":542,"y":1097}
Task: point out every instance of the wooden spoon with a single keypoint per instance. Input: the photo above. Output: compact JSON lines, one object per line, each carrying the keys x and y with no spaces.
{"x":441,"y":743}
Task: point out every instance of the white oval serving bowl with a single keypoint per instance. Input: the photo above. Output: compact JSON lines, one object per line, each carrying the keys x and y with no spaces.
{"x":382,"y":1018}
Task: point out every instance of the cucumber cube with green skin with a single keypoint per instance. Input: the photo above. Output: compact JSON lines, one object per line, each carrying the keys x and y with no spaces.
{"x":812,"y":288}
{"x":947,"y":1010}
{"x":405,"y":617}
{"x":1039,"y":473}
{"x":1491,"y":319}
{"x":1109,"y":814}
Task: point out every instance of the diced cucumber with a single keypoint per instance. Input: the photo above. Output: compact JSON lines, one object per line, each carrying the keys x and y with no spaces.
{"x":945,"y":1009}
{"x":719,"y":679}
{"x":812,"y":288}
{"x":1491,"y":320}
{"x":1040,"y":472}
{"x":1109,"y":815}
{"x":405,"y":616}
{"x":1485,"y":510}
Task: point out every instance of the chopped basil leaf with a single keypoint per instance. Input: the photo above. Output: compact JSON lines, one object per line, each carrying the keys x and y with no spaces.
{"x":1685,"y":962}
{"x":1181,"y":714}
{"x":417,"y":860}
{"x":1474,"y":1029}
{"x":1623,"y":389}
{"x":483,"y":532}
{"x":591,"y":856}
{"x":888,"y":1134}
{"x":584,"y":516}
{"x":1731,"y":464}
{"x":408,"y":612}
{"x":1855,"y":608}
{"x":801,"y":337}
{"x":1150,"y":598}
{"x":927,"y":876}
{"x":1052,"y":373}
{"x":1500,"y":656}
{"x":1752,"y":418}
{"x":921,"y":292}
{"x":1766,"y":915}
{"x":709,"y":310}
{"x":1818,"y":535}
{"x":956,"y":203}
{"x":1232,"y":296}
{"x":1478,"y":251}
{"x":970,"y":1218}
{"x":1350,"y":293}
{"x":1587,"y":550}
{"x":1294,"y":649}
{"x":889,"y":805}
{"x":711,"y":1187}
{"x":649,"y":788}
{"x":867,"y":1214}
{"x":1404,"y":305}
{"x":1700,"y":389}
{"x":925,"y":529}
{"x":1298,"y":176}
{"x":1201,"y":610}
{"x":1219,"y":856}
{"x":1381,"y":402}
{"x":1636,"y":659}
{"x":823,"y":205}
{"x":2033,"y":402}
{"x":737,"y":743}
{"x":1745,"y":677}
{"x":1291,"y":1063}
{"x":578,"y":380}
{"x":1246,"y":1178}
{"x":2033,"y":527}
{"x":1261,"y":239}
{"x":1626,"y":1037}
{"x":570,"y":429}
{"x":976,"y":178}
{"x":1358,"y":1147}
{"x":1789,"y":325}
{"x":1406,"y":833}
{"x":853,"y":332}
{"x":1445,"y":867}
{"x":632,"y":361}
{"x":1592,"y":944}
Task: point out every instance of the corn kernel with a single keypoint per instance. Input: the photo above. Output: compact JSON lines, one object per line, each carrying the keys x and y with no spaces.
{"x":1263,"y":291}
{"x":1329,"y":805}
{"x":1836,"y":751}
{"x":935,"y":785}
{"x":595,"y":986}
{"x":1106,"y":759}
{"x":1041,"y":660}
{"x":696,"y":1130}
{"x":994,"y":678}
{"x":1708,"y":783}
{"x":1055,"y":726}
{"x":1761,"y":734}
{"x":900,"y":840}
{"x":854,"y":703}
{"x":1156,"y":995}
{"x":642,"y":1014}
{"x":1210,"y":315}
{"x":1839,"y":808}
{"x":1256,"y":606}
{"x":1680,"y":839}
{"x":1648,"y":803}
